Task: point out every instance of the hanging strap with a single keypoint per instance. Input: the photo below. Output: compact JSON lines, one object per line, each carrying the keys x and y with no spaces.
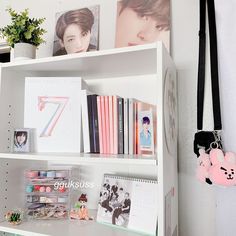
{"x":214,"y":65}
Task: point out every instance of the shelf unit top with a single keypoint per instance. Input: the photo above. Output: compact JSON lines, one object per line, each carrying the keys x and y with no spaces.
{"x":83,"y":158}
{"x":111,"y":62}
{"x":63,"y":227}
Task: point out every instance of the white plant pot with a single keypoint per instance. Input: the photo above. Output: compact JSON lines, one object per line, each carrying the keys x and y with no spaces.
{"x":24,"y":51}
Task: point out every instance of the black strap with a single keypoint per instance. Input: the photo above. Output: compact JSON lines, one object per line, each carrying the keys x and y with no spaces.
{"x":214,"y":65}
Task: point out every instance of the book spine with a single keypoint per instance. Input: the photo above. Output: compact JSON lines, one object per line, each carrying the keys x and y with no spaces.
{"x":85,"y":122}
{"x":107,"y":124}
{"x":135,"y":128}
{"x":131,"y":126}
{"x":111,"y":113}
{"x":126,"y":126}
{"x":115,"y":125}
{"x":89,"y":100}
{"x":103,"y":124}
{"x":100,"y":124}
{"x":120,"y":109}
{"x":95,"y":124}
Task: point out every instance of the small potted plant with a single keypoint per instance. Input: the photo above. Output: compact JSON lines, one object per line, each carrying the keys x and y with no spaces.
{"x":14,"y":217}
{"x":23,"y":34}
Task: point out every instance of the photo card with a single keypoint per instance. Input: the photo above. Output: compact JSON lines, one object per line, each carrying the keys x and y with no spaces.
{"x":22,"y":140}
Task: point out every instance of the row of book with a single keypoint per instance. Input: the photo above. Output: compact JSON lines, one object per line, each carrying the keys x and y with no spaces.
{"x":116,"y":125}
{"x":110,"y":124}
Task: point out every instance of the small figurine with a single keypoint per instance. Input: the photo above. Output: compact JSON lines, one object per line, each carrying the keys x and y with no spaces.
{"x":81,"y":212}
{"x":14,"y":217}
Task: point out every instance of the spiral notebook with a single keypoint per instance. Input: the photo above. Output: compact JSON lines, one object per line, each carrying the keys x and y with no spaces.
{"x":128,"y":202}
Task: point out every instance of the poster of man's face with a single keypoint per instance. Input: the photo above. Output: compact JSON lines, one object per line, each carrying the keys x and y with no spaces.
{"x":142,"y":21}
{"x":77,"y":31}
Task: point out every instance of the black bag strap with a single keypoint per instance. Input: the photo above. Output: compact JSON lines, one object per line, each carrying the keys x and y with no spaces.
{"x":214,"y":65}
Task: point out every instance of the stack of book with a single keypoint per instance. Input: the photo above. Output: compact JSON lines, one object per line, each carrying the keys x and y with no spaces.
{"x":116,"y":125}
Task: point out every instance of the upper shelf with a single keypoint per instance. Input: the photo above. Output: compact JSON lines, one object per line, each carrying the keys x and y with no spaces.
{"x":113,"y":62}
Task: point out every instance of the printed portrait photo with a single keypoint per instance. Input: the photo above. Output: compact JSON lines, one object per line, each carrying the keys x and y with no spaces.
{"x":146,"y":137}
{"x":76,"y":31}
{"x":142,"y":21}
{"x":21,"y":140}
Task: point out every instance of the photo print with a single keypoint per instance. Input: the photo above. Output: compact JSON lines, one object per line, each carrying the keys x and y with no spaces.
{"x":77,"y":31}
{"x":21,"y":140}
{"x":142,"y":21}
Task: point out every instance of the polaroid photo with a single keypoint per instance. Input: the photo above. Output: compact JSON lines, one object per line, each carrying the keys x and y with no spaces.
{"x":145,"y":132}
{"x":23,"y":140}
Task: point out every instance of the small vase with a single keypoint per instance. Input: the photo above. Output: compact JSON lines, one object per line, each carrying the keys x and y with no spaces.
{"x":24,"y":51}
{"x":15,"y":222}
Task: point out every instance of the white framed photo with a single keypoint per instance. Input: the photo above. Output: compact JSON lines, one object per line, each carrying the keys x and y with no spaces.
{"x":21,"y":140}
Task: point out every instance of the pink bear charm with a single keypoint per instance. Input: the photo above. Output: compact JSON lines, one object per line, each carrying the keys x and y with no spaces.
{"x":203,"y":167}
{"x":223,"y":169}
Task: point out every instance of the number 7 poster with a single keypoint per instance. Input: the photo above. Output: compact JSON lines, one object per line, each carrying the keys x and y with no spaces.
{"x":53,"y":108}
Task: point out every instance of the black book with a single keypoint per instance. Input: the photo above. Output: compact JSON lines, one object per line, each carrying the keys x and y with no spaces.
{"x":90,"y":116}
{"x":95,"y":132}
{"x":120,"y":114}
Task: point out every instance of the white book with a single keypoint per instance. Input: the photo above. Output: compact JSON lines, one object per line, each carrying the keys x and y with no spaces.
{"x":132,"y":120}
{"x":53,"y":108}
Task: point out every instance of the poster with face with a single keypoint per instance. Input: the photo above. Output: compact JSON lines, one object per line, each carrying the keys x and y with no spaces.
{"x":142,"y":21}
{"x":77,"y":31}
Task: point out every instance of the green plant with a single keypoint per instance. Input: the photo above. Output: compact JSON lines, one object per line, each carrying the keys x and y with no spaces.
{"x":23,"y":29}
{"x":15,"y":217}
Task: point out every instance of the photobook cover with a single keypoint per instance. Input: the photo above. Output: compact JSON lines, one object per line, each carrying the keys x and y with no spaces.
{"x":53,"y":108}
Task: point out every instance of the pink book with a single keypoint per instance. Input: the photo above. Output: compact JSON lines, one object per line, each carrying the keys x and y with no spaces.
{"x":100,"y":124}
{"x":106,"y":102}
{"x":103,"y":124}
{"x":111,"y":112}
{"x":115,"y":126}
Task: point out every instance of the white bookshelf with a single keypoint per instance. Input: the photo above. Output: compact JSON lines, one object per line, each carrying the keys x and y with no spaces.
{"x":143,"y":72}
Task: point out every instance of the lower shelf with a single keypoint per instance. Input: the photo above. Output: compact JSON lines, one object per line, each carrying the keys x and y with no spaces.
{"x":62,"y":228}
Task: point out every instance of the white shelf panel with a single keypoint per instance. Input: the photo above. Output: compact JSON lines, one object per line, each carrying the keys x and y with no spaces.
{"x":111,"y":62}
{"x":62,"y":228}
{"x":82,"y":158}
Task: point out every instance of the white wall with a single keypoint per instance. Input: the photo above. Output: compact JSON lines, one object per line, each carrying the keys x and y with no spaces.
{"x":196,"y":201}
